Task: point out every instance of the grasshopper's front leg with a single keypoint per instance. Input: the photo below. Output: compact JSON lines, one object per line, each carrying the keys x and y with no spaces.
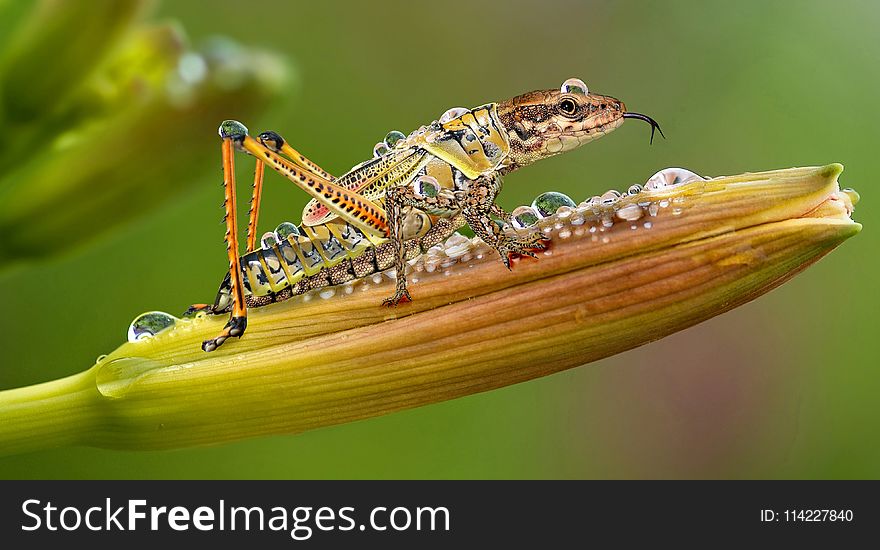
{"x":479,"y":208}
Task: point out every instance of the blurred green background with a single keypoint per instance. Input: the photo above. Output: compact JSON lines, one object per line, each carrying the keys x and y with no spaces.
{"x":784,"y":387}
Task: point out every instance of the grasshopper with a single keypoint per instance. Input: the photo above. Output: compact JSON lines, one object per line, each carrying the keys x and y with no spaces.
{"x":416,"y":191}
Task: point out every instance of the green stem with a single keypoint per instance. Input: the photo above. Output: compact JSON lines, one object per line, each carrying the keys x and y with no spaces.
{"x":53,"y":414}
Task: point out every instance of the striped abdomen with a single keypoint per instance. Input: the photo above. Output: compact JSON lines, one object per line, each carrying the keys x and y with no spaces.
{"x":307,"y":258}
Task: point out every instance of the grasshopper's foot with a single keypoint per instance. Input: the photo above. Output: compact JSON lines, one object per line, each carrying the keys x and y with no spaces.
{"x":401,"y":296}
{"x":514,"y":248}
{"x":235,"y":327}
{"x":195,"y":309}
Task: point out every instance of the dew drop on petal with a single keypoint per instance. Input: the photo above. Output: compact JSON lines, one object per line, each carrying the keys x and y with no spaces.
{"x":286,"y":229}
{"x":630,"y":212}
{"x":610,"y":197}
{"x":852,"y":194}
{"x":634,"y":189}
{"x":452,"y":114}
{"x":523,"y":217}
{"x":564,"y":212}
{"x":574,"y":86}
{"x":546,"y":204}
{"x":149,"y":324}
{"x":671,"y":176}
{"x":327,"y":293}
{"x":393,"y":138}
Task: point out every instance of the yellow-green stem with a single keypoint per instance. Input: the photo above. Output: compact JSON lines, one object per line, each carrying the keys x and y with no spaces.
{"x":319,"y":360}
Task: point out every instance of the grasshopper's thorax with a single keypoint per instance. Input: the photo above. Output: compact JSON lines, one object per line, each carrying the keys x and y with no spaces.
{"x":544,"y":123}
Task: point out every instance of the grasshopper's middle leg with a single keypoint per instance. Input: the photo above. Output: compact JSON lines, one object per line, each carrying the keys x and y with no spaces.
{"x":231,"y":133}
{"x":396,"y":200}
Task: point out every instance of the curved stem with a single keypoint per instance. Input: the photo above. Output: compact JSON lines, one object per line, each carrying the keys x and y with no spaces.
{"x":327,"y":358}
{"x":53,"y":414}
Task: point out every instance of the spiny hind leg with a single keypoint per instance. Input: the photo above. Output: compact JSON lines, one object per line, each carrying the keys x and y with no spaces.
{"x":253,"y":216}
{"x":276,"y":143}
{"x":254,"y":212}
{"x":231,"y":133}
{"x":396,"y":200}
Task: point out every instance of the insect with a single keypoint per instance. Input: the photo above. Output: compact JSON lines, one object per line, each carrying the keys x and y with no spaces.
{"x":416,"y":191}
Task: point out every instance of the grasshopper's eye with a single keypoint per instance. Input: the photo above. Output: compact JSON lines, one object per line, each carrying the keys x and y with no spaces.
{"x":568,"y":107}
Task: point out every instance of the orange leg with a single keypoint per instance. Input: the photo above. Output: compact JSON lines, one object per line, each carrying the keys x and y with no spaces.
{"x":276,"y":143}
{"x":232,"y":134}
{"x":353,"y":208}
{"x":254,"y":212}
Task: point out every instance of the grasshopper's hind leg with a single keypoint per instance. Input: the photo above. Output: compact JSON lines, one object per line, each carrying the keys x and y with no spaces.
{"x":231,"y":133}
{"x":276,"y":143}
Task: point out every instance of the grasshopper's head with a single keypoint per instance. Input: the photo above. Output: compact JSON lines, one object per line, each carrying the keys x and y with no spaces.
{"x":548,"y":122}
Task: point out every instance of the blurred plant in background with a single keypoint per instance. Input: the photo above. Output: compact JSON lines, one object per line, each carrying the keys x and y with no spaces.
{"x":104,"y":123}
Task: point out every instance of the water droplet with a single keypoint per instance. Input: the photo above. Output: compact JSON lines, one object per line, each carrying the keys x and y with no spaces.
{"x":101,"y":358}
{"x":393,"y":138}
{"x":380,"y":149}
{"x":546,"y":204}
{"x":452,"y":114}
{"x":653,"y":209}
{"x":574,"y":86}
{"x":634,"y":189}
{"x":284,"y":230}
{"x":648,"y":225}
{"x":676,"y":211}
{"x":564,"y":234}
{"x":149,"y":324}
{"x":426,"y":187}
{"x":232,"y":129}
{"x":327,"y":293}
{"x":663,"y":203}
{"x":268,"y":240}
{"x":524,"y":216}
{"x":377,"y":278}
{"x":564,"y":212}
{"x":671,"y":176}
{"x":630,"y":212}
{"x":610,"y":197}
{"x":852,"y":194}
{"x":607,"y":221}
{"x":114,"y":378}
